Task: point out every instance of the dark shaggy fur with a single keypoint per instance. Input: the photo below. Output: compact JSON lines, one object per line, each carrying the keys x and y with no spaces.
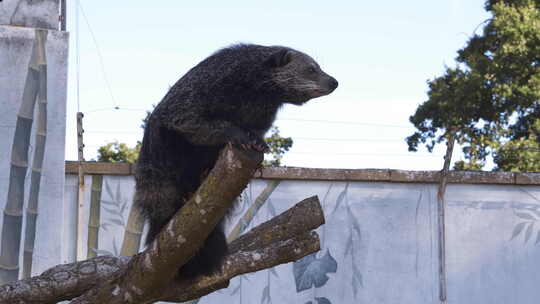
{"x":232,"y":96}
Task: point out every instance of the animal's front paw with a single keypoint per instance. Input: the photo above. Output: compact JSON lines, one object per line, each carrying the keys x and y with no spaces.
{"x":258,"y":144}
{"x":249,"y":141}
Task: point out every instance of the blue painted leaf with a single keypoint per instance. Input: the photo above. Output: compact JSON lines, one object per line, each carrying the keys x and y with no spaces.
{"x":236,"y":289}
{"x":118,"y":196}
{"x":271,"y":208}
{"x":323,"y":300}
{"x":358,"y":275}
{"x":117,"y":222}
{"x":115,"y":249}
{"x":105,"y":226}
{"x":341,"y":197}
{"x":354,"y":222}
{"x":265,"y":295}
{"x":107,"y":202}
{"x":517,"y":230}
{"x":108,"y":189}
{"x":327,"y":192}
{"x":273,"y":272}
{"x":110,"y":210}
{"x":525,"y":216}
{"x":300,"y":268}
{"x":310,"y":271}
{"x":348,"y":246}
{"x":536,"y":212}
{"x":528,"y":232}
{"x":123,"y":207}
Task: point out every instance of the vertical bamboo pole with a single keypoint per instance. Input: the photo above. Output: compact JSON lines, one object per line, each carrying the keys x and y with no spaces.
{"x":244,"y":221}
{"x":63,"y":17}
{"x":39,"y":153}
{"x":441,"y":207}
{"x":12,"y":227}
{"x":80,"y":196}
{"x":94,"y":220}
{"x":133,"y":233}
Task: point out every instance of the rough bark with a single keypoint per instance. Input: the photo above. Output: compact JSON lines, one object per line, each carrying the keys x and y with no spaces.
{"x":241,"y":262}
{"x":248,"y":216}
{"x":441,"y":211}
{"x":183,"y":235}
{"x":283,"y":239}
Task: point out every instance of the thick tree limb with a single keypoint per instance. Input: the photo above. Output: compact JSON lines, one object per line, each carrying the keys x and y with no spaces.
{"x":304,"y":216}
{"x":283,"y":239}
{"x":183,"y":235}
{"x":241,"y":262}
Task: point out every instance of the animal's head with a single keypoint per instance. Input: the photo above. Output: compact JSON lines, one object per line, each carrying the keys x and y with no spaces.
{"x":298,"y":77}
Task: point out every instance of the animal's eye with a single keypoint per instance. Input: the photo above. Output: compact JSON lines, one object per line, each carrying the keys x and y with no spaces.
{"x":312,"y":70}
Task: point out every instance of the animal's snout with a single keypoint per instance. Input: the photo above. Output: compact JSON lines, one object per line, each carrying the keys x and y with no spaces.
{"x":332,"y":83}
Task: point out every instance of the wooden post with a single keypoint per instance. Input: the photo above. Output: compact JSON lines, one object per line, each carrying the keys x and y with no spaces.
{"x":80,"y":197}
{"x":441,"y":206}
{"x":63,"y":19}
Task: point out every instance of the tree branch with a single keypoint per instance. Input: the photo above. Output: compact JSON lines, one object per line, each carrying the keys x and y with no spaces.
{"x":183,"y":235}
{"x":283,"y":239}
{"x":241,"y":262}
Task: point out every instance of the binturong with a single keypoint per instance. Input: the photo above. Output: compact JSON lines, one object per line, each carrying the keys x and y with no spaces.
{"x":230,"y":97}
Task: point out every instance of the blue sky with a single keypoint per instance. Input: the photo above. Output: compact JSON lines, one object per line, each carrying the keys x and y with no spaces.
{"x":381,"y":52}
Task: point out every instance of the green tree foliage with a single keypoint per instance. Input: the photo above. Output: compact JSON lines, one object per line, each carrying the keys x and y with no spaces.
{"x":278,"y":146}
{"x":520,"y":154}
{"x":118,"y":152}
{"x":490,"y":100}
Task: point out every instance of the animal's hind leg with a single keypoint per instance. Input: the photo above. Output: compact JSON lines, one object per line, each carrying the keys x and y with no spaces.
{"x":209,"y":257}
{"x":158,"y":201}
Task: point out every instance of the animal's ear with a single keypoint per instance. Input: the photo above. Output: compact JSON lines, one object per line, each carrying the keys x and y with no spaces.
{"x":279,"y":58}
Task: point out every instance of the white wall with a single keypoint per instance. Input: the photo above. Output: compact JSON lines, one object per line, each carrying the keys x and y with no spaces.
{"x":382,"y":237}
{"x":30,"y":13}
{"x":16,"y":48}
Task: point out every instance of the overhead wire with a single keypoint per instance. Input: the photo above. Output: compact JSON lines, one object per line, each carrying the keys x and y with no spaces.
{"x":100,"y":56}
{"x":77,"y":55}
{"x":116,"y":108}
{"x":344,"y":122}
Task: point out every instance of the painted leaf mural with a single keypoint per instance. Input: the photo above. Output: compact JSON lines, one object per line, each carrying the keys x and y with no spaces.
{"x":526,"y":226}
{"x":311,"y":271}
{"x":320,"y":300}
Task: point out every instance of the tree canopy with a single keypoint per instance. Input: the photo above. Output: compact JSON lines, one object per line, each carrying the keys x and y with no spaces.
{"x":490,"y":100}
{"x":118,"y":152}
{"x":278,"y":146}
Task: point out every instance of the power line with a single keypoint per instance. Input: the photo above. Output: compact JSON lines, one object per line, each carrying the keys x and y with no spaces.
{"x":368,"y":154}
{"x":280,"y":119}
{"x":344,"y":122}
{"x":116,"y":108}
{"x":349,"y":139}
{"x":114,"y":133}
{"x":77,"y":54}
{"x":99,"y":56}
{"x":294,"y":138}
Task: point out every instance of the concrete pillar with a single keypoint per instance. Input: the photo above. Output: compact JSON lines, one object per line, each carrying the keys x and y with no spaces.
{"x":33,"y":88}
{"x":30,"y":13}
